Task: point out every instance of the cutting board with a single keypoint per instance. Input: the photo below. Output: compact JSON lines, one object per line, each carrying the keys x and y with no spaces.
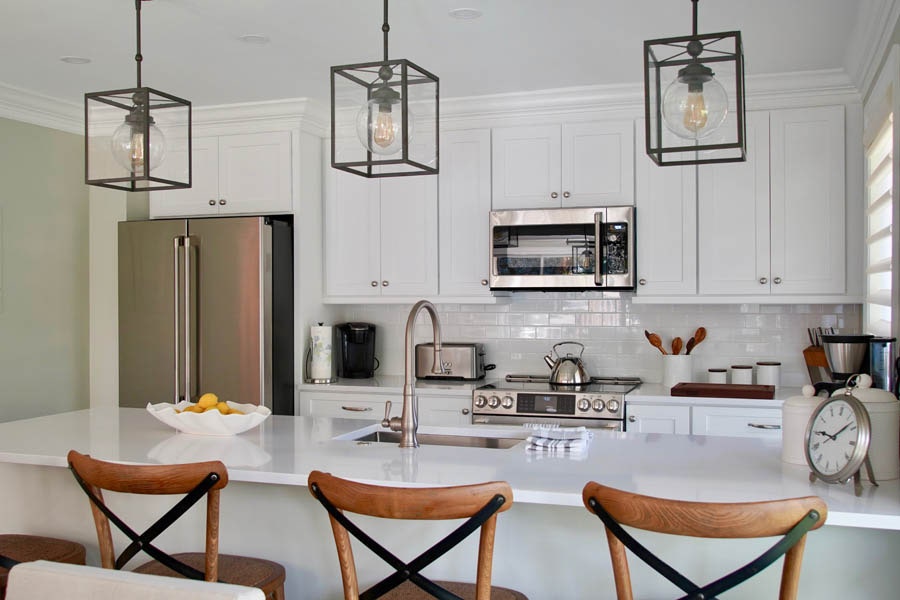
{"x":723,"y":390}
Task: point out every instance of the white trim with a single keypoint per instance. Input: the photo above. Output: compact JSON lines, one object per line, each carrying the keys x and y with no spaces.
{"x":30,"y":107}
{"x":870,"y":41}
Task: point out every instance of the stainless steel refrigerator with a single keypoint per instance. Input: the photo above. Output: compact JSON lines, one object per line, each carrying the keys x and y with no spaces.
{"x":206,"y":305}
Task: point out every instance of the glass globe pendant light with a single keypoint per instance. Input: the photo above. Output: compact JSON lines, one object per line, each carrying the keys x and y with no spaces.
{"x":695,"y":104}
{"x":139,"y":138}
{"x":378,"y":123}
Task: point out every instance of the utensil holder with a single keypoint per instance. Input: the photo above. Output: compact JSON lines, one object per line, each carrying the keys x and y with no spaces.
{"x":677,"y":368}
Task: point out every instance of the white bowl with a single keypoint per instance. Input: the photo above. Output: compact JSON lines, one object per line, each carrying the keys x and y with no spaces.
{"x":211,"y":422}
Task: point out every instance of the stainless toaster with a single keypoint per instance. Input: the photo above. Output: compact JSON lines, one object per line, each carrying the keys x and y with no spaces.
{"x":460,"y":360}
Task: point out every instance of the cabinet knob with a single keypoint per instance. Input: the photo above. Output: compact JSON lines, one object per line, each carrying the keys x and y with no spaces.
{"x":554,"y":195}
{"x":222,"y":202}
{"x":374,"y":284}
{"x":385,"y":283}
{"x":632,"y":419}
{"x":642,"y":281}
{"x":484,"y":282}
{"x":777,"y":280}
{"x":763,"y":280}
{"x":566,"y":194}
{"x":465,"y":411}
{"x":212,"y":202}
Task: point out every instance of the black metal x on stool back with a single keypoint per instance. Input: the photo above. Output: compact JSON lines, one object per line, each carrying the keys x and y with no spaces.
{"x":479,"y":504}
{"x":791,"y":518}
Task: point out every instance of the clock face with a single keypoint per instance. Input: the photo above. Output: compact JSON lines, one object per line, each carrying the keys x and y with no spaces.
{"x":837,"y":438}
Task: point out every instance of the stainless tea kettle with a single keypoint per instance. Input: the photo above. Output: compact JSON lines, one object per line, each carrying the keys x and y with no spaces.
{"x":568,"y":369}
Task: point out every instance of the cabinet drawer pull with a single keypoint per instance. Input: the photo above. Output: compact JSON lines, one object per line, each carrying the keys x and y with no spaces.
{"x":763,"y":426}
{"x":357,"y":408}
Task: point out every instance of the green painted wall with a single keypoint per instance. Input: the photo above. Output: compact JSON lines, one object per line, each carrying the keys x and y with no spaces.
{"x":43,"y":272}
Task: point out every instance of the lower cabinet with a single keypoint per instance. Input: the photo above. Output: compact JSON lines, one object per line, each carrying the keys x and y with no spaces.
{"x":658,"y":418}
{"x":731,"y":421}
{"x":433,"y":409}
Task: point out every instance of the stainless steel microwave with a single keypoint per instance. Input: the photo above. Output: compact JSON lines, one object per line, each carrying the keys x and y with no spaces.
{"x":563,"y":248}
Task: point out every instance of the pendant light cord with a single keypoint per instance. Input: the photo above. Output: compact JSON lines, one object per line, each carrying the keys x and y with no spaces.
{"x":138,"y":57}
{"x":385,"y":28}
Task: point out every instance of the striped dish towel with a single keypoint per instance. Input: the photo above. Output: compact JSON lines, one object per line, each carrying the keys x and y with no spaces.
{"x":558,"y":441}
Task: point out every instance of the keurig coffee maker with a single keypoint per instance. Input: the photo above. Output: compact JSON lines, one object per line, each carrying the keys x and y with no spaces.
{"x":356,"y":351}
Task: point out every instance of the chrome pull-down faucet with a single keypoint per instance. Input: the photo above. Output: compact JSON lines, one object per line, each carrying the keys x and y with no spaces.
{"x":408,"y":422}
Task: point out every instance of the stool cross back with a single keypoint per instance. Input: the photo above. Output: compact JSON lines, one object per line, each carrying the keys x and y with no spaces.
{"x":195,"y":481}
{"x":791,"y":518}
{"x":479,"y":504}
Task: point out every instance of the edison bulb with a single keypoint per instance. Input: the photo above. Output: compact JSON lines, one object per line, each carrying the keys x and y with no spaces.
{"x":694,"y":110}
{"x":379,"y":125}
{"x":128,"y":146}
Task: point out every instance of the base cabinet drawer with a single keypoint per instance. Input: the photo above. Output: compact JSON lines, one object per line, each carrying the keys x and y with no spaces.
{"x":347,"y":406}
{"x":736,"y":421}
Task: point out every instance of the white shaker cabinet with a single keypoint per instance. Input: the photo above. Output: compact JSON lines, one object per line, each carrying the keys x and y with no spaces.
{"x":232,"y":174}
{"x":444,"y":410}
{"x":464,"y":200}
{"x":434,"y":409}
{"x":666,"y":216}
{"x":380,"y":236}
{"x":658,"y":418}
{"x":736,"y":421}
{"x":774,"y":225}
{"x":568,"y":165}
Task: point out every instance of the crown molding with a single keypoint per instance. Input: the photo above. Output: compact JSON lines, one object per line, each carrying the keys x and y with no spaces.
{"x":869,"y":42}
{"x":30,"y":107}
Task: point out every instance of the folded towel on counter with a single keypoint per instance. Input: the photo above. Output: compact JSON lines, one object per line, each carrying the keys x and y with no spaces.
{"x":558,"y":441}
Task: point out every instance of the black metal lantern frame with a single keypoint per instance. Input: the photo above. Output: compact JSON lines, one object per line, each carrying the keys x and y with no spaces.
{"x":157,"y":125}
{"x":407,"y":94}
{"x":721,"y":53}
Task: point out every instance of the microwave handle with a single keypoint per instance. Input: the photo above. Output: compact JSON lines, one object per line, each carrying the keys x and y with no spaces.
{"x":598,"y":249}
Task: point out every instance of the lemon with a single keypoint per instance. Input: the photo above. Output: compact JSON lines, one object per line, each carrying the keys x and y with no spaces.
{"x":223,"y":408}
{"x":207,"y":400}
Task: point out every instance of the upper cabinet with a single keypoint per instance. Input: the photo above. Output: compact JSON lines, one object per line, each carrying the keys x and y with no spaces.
{"x":774,"y":225}
{"x":574,"y":164}
{"x":233,"y":174}
{"x":379,"y":237}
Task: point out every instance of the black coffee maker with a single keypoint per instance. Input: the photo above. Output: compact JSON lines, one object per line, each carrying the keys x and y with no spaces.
{"x":356,"y":351}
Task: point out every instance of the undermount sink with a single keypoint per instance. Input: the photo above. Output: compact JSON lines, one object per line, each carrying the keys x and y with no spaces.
{"x":442,"y":439}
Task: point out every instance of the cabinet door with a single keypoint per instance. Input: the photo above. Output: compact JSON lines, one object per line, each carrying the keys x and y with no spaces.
{"x":445,"y":410}
{"x":204,"y":183}
{"x":666,"y":215}
{"x":733,"y":210}
{"x":526,"y":167}
{"x":255,"y":173}
{"x":646,"y":418}
{"x":352,"y":235}
{"x":464,"y":202}
{"x":808,"y":200}
{"x":598,"y":163}
{"x":409,"y":236}
{"x":736,"y":421}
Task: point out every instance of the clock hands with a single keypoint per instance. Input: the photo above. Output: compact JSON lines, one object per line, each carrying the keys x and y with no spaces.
{"x":826,"y":434}
{"x":839,"y":431}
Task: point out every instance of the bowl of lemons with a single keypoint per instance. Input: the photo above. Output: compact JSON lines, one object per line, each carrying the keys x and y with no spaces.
{"x":210,"y":416}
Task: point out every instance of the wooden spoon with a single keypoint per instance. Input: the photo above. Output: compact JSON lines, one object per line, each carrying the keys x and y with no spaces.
{"x":699,"y":336}
{"x":690,"y":345}
{"x":655,"y":341}
{"x":676,"y":345}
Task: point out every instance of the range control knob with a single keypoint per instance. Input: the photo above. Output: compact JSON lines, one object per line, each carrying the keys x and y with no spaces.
{"x":480,"y":401}
{"x":507,"y":402}
{"x":612,"y":405}
{"x":598,"y":405}
{"x":494,"y":402}
{"x":584,"y":405}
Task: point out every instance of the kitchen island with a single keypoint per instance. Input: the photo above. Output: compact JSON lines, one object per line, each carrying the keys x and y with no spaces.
{"x":548,"y":545}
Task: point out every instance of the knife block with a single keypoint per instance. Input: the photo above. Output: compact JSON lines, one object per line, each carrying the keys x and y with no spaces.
{"x":817,"y":365}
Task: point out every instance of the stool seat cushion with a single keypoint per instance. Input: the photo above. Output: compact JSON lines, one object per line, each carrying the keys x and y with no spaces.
{"x":26,"y":548}
{"x":410,"y":591}
{"x":239,"y":570}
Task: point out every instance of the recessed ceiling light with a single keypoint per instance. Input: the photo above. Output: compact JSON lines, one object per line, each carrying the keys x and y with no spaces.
{"x":254,"y":38}
{"x":465,"y":14}
{"x":75,"y":60}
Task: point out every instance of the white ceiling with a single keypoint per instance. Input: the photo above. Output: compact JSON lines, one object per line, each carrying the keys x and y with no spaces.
{"x":192,"y":48}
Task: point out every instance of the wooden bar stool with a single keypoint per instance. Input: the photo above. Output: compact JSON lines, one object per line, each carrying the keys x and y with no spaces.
{"x":17,"y":548}
{"x":195,"y":480}
{"x":791,"y":518}
{"x":478,"y":503}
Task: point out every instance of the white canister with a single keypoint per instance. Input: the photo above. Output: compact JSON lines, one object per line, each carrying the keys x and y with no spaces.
{"x":320,"y":367}
{"x":795,"y":414}
{"x":884,"y":413}
{"x":717,"y":376}
{"x":742,"y":374}
{"x":677,"y":368}
{"x":768,"y":373}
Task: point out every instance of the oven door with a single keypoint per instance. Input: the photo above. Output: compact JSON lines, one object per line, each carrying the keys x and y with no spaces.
{"x":606,"y":424}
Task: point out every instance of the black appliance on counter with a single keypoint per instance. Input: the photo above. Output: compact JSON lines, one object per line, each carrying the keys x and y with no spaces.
{"x":356,"y":351}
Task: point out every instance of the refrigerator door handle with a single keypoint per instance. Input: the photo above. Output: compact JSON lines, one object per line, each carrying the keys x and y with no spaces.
{"x":178,"y":243}
{"x":190,"y":242}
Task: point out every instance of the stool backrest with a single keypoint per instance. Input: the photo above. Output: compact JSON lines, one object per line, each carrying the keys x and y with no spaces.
{"x":457,"y":502}
{"x":194,"y":480}
{"x":791,"y":518}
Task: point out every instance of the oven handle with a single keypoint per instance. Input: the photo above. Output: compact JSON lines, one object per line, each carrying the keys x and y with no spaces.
{"x":598,"y":249}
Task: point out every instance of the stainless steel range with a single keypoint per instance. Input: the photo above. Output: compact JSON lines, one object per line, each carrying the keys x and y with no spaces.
{"x":529,"y":399}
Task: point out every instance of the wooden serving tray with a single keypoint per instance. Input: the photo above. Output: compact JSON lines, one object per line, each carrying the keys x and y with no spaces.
{"x":723,"y":390}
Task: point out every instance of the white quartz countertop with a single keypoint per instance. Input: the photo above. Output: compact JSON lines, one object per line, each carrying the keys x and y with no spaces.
{"x":283,"y":450}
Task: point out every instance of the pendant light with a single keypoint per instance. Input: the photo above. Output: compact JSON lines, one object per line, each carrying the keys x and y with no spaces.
{"x":384,"y":117}
{"x":139,"y":138}
{"x":689,"y":116}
